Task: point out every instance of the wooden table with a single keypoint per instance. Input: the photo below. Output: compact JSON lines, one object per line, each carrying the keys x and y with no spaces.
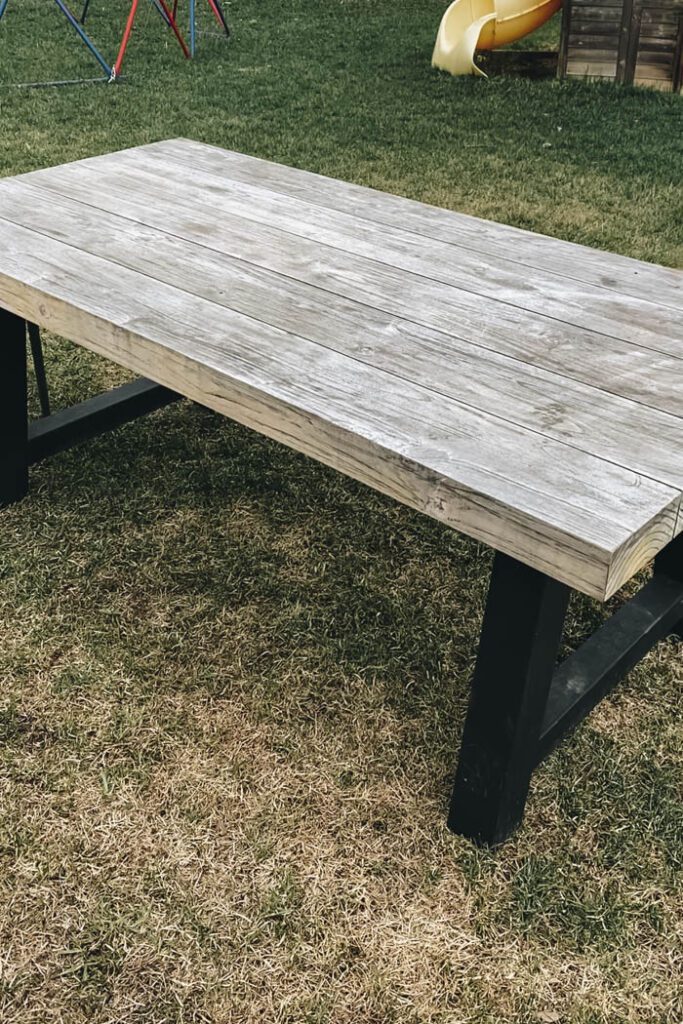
{"x":523,"y":390}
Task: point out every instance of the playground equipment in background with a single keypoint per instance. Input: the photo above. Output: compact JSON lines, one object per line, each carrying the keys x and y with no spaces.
{"x":170,"y":16}
{"x":218,"y":13}
{"x":167,"y":15}
{"x":627,"y":41}
{"x":163,"y":7}
{"x":79,"y":29}
{"x":633,"y":42}
{"x":470,"y":25}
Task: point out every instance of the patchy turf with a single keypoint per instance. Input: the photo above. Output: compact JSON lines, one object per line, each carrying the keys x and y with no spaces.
{"x":233,"y":682}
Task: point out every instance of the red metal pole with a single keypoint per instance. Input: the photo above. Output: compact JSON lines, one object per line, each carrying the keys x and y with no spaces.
{"x":219,"y":16}
{"x":116,"y":70}
{"x":174,"y":26}
{"x":215,"y":12}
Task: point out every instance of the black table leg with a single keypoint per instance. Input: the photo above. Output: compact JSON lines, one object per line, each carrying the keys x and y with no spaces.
{"x":13,"y":409}
{"x":520,"y":639}
{"x":669,"y":563}
{"x":522,"y":704}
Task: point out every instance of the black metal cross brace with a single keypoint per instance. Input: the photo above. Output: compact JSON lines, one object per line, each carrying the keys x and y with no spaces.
{"x":23,"y":443}
{"x":522,"y":704}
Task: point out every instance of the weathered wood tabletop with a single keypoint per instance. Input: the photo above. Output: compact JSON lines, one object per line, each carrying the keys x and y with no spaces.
{"x":524,"y":390}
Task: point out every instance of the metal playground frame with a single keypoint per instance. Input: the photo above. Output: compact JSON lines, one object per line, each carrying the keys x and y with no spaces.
{"x":167,"y":9}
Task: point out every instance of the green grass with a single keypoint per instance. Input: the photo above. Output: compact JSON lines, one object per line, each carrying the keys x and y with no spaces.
{"x":233,"y":681}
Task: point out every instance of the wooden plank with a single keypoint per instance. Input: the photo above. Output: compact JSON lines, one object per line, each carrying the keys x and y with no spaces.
{"x":588,"y":27}
{"x":597,"y":422}
{"x":606,"y":16}
{"x":596,"y":44}
{"x":662,"y":54}
{"x":606,"y":40}
{"x":606,"y":270}
{"x":582,"y":519}
{"x":656,"y":30}
{"x":593,"y":56}
{"x":630,"y":319}
{"x":581,"y":68}
{"x":662,"y":84}
{"x":661,"y":16}
{"x":597,"y":48}
{"x":651,"y":66}
{"x":650,"y":378}
{"x":656,"y":47}
{"x":652,"y":72}
{"x":615,"y":5}
{"x":649,"y":44}
{"x":600,"y":12}
{"x":594,"y":34}
{"x":512,"y":245}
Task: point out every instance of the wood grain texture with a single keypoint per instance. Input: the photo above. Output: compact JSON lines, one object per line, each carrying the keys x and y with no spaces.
{"x":551,"y":441}
{"x":504,"y":243}
{"x":597,"y":422}
{"x":632,"y":371}
{"x":560,"y":298}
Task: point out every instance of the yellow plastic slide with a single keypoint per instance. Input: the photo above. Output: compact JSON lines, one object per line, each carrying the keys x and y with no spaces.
{"x":470,"y":25}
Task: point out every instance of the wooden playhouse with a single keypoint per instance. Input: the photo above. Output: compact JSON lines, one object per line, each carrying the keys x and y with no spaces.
{"x":629,"y":41}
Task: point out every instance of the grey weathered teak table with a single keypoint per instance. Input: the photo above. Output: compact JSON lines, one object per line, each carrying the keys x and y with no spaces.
{"x":520,"y":389}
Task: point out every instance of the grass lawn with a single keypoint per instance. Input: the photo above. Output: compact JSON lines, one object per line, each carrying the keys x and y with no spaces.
{"x":233,"y":682}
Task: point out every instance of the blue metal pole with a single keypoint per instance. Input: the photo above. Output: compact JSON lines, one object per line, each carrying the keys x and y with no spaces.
{"x":193,"y":26}
{"x":3,"y":7}
{"x":91,"y":46}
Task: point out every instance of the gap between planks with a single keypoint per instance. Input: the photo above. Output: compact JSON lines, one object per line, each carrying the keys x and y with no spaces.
{"x":502,"y":521}
{"x":650,"y":443}
{"x":330,"y":193}
{"x":609,"y":313}
{"x":326,"y":194}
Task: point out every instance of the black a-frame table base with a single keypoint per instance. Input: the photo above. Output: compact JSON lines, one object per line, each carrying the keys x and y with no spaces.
{"x":522,"y":703}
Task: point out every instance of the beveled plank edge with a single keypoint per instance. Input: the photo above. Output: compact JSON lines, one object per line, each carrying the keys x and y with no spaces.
{"x":550,"y":550}
{"x":629,"y":263}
